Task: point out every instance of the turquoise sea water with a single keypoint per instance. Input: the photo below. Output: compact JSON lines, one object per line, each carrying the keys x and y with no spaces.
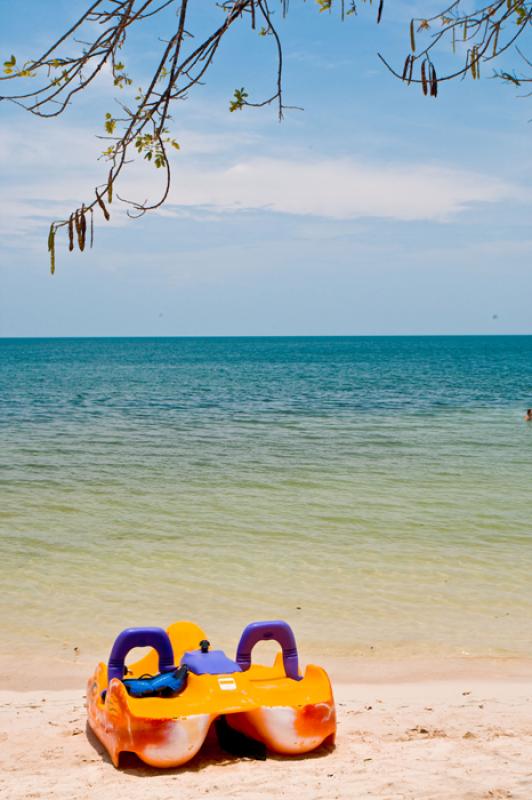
{"x":376,"y":492}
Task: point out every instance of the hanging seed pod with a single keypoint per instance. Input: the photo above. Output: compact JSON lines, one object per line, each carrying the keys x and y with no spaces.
{"x":405,"y":69}
{"x":424,"y":78}
{"x":433,"y":82}
{"x":71,"y":233}
{"x":410,"y":70}
{"x":51,"y":247}
{"x":473,"y":65}
{"x":83,"y":228}
{"x":379,"y":12}
{"x":77,"y":223}
{"x":412,"y":36}
{"x":102,"y":206}
{"x":496,"y":38}
{"x":92,"y":227}
{"x":454,"y":40}
{"x":110,"y":187}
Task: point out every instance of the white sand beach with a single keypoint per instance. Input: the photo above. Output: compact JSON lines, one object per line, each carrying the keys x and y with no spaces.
{"x":410,"y":738}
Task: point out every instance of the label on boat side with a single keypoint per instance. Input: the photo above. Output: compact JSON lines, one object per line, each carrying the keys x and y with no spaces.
{"x":227,"y":684}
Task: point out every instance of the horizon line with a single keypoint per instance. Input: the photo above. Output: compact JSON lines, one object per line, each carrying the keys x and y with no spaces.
{"x":274,"y":336}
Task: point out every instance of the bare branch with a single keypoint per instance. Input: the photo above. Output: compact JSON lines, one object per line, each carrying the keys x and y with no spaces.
{"x":98,"y":40}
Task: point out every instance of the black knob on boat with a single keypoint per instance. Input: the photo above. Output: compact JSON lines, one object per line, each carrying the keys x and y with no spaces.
{"x":204,"y":644}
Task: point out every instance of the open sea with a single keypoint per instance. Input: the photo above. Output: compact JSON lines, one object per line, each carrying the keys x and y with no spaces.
{"x":376,"y":492}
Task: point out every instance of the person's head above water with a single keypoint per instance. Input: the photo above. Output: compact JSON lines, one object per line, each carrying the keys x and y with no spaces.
{"x":528,"y":415}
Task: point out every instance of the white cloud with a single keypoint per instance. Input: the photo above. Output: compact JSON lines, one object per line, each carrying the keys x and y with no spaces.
{"x":338,"y":188}
{"x":54,"y":172}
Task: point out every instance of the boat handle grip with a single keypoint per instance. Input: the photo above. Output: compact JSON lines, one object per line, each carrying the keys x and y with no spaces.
{"x":140,"y":637}
{"x":277,"y":630}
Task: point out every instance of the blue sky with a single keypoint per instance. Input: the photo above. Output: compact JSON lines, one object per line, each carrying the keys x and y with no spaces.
{"x":375,"y":210}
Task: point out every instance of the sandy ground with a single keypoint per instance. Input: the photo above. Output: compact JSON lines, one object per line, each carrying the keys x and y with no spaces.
{"x":458,"y":739}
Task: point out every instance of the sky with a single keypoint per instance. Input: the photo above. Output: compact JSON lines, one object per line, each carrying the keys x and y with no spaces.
{"x":374,"y":210}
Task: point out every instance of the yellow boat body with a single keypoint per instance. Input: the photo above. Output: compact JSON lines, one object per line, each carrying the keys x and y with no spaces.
{"x":289,"y":717}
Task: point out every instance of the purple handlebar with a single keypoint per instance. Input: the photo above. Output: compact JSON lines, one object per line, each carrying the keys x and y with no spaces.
{"x":140,"y":637}
{"x":277,"y":630}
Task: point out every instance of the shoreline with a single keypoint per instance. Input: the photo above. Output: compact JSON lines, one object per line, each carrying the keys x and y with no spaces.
{"x":23,"y":674}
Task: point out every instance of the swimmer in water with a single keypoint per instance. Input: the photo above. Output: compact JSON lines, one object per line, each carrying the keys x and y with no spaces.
{"x":528,"y":415}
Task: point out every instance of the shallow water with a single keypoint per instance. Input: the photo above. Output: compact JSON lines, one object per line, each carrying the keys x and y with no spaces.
{"x":373,"y":491}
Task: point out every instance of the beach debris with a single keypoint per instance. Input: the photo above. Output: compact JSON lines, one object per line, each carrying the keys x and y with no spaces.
{"x":430,"y":733}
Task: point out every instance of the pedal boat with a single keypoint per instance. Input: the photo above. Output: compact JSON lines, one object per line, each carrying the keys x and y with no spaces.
{"x":288,"y":712}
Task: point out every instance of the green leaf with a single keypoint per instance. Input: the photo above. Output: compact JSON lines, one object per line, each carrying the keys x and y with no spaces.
{"x":9,"y":66}
{"x":239,"y":100}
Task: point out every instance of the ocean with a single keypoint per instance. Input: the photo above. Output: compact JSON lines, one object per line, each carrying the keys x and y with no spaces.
{"x":373,"y":491}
